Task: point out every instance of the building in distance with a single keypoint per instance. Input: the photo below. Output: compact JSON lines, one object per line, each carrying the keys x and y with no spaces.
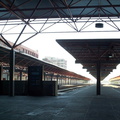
{"x":56,"y":61}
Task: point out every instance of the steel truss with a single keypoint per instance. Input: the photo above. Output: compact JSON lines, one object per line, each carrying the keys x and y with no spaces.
{"x":24,"y":21}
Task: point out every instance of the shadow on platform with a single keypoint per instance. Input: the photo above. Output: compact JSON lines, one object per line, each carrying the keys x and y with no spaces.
{"x":78,"y":104}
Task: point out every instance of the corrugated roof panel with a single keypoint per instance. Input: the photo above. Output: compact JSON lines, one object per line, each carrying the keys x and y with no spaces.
{"x":74,"y":8}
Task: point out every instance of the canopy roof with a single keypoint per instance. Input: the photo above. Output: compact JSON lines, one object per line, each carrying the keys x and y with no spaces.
{"x":22,"y":61}
{"x":89,"y":52}
{"x":115,"y":78}
{"x":27,"y":9}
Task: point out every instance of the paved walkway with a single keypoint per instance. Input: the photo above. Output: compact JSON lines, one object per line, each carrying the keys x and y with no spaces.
{"x":78,"y":104}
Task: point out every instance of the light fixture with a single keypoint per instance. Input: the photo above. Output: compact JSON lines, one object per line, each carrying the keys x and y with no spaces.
{"x":111,"y":55}
{"x":99,"y":25}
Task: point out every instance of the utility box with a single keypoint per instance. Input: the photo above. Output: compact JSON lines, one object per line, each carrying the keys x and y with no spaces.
{"x":50,"y":88}
{"x":35,"y":78}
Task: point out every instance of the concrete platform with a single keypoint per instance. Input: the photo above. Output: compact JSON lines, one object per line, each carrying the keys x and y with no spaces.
{"x":78,"y":104}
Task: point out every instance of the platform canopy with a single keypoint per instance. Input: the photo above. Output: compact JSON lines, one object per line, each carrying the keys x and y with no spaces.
{"x":89,"y":52}
{"x":23,"y":61}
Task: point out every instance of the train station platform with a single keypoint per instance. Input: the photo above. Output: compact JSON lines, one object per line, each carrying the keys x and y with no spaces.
{"x":78,"y":104}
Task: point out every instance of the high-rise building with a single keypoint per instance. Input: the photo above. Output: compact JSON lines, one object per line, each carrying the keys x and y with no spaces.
{"x":56,"y":61}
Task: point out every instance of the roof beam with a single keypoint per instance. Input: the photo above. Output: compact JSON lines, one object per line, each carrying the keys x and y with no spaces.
{"x":70,"y":7}
{"x":95,"y":61}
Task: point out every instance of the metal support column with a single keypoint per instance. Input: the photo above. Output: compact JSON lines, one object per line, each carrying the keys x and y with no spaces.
{"x":1,"y":73}
{"x":98,"y":79}
{"x":20,"y":75}
{"x":44,"y":76}
{"x":51,"y":77}
{"x":12,"y":65}
{"x":57,"y":78}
